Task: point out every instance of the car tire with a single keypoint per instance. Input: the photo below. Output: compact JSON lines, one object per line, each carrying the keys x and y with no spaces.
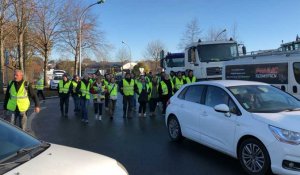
{"x":174,"y":129}
{"x":254,"y":157}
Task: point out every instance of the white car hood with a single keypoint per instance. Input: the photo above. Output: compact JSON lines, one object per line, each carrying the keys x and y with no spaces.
{"x":284,"y":120}
{"x":62,"y":160}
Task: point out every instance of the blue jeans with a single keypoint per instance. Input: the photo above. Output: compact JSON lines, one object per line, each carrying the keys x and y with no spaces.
{"x":134,"y":101}
{"x":76,"y":100}
{"x":84,"y":107}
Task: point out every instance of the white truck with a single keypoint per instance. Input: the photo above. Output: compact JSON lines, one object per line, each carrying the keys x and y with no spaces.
{"x":279,"y":67}
{"x":204,"y":58}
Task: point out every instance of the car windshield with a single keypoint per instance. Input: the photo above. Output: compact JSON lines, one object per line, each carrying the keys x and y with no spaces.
{"x":264,"y":99}
{"x":13,"y":140}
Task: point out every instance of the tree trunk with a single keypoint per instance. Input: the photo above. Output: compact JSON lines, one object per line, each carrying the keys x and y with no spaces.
{"x":45,"y":67}
{"x":1,"y":62}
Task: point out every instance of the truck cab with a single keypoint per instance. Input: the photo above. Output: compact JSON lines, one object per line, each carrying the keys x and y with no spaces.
{"x":204,"y":58}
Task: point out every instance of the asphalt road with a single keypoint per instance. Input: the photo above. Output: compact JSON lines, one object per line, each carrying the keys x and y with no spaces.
{"x":142,"y":145}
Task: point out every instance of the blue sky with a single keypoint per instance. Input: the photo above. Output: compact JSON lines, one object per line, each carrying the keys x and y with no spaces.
{"x":262,"y":24}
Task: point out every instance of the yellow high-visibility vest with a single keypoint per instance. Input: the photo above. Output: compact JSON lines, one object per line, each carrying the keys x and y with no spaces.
{"x":19,"y":98}
{"x":128,"y":88}
{"x":64,"y":88}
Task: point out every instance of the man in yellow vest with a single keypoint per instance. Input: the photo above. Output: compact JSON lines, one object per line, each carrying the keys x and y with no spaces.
{"x":178,"y":81}
{"x":112,"y":89}
{"x":40,"y":88}
{"x":64,"y":90}
{"x":190,"y":78}
{"x":127,"y":89}
{"x":17,"y":99}
{"x":75,"y":95}
{"x":83,"y":89}
{"x":165,"y":90}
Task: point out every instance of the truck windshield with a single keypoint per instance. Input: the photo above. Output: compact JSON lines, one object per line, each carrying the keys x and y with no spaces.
{"x":217,"y":52}
{"x":175,"y":62}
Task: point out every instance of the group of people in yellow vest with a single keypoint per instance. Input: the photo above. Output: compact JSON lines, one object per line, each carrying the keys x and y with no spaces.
{"x":150,"y":90}
{"x":98,"y":89}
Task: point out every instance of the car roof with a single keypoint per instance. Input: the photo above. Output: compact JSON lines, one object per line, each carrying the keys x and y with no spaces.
{"x":229,"y":83}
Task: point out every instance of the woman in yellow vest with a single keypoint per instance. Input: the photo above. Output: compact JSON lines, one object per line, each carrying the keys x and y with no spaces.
{"x":112,"y":89}
{"x":17,"y":99}
{"x":190,"y":78}
{"x":165,"y":91}
{"x":143,"y":90}
{"x":154,"y":96}
{"x":98,"y":92}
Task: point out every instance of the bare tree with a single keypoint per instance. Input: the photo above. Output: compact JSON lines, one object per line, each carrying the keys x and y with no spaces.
{"x":93,"y":39}
{"x":23,"y":10}
{"x":5,"y":16}
{"x":153,"y":50}
{"x":214,"y":34}
{"x":191,"y":34}
{"x":47,"y":18}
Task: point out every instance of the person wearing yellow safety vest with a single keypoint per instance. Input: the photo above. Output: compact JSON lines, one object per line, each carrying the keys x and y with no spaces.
{"x":17,"y":99}
{"x":165,"y":91}
{"x":143,"y":90}
{"x":93,"y":78}
{"x":127,"y":87}
{"x":98,"y":91}
{"x":112,"y":89}
{"x":134,"y":95}
{"x":40,"y":88}
{"x":106,"y":82}
{"x":154,"y":96}
{"x":190,"y":78}
{"x":75,"y":95}
{"x":178,"y":81}
{"x":83,"y":89}
{"x":65,"y":87}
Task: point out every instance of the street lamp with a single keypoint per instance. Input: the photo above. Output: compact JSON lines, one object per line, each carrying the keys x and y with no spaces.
{"x":80,"y":32}
{"x":129,"y":55}
{"x":220,"y":34}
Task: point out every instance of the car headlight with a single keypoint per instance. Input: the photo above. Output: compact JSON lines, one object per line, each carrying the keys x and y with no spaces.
{"x":286,"y":136}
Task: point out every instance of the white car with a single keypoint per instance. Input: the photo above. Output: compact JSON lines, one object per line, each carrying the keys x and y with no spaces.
{"x":54,"y":82}
{"x":254,"y":122}
{"x":22,"y":154}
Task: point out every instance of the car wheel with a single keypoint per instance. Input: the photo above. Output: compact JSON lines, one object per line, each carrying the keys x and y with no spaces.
{"x":174,"y":129}
{"x":254,"y":157}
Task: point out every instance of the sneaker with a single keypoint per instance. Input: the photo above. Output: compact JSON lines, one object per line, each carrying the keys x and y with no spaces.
{"x":100,"y":117}
{"x":140,"y":114}
{"x":86,"y":121}
{"x":106,"y":108}
{"x":145,"y":115}
{"x":82,"y":120}
{"x":96,"y":117}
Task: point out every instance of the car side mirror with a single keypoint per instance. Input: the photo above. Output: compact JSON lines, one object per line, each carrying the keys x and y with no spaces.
{"x":223,"y":108}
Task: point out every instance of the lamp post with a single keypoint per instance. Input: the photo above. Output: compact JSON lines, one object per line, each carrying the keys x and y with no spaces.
{"x":220,"y":34}
{"x":80,"y":32}
{"x":129,"y":55}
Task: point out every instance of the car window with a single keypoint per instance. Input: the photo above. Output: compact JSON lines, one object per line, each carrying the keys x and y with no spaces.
{"x":194,"y":93}
{"x":182,"y":93}
{"x":216,"y":96}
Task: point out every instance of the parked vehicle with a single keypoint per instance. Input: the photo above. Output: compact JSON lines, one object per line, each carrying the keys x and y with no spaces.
{"x":280,"y":67}
{"x":54,"y":82}
{"x":254,"y":122}
{"x":21,"y":153}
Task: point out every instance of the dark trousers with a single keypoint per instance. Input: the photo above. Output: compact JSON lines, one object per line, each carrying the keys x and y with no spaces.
{"x":164,"y":101}
{"x":76,"y":100}
{"x":98,"y":107}
{"x":153,"y":104}
{"x":142,"y":107}
{"x":127,"y":105}
{"x":106,"y":100}
{"x":64,"y":105}
{"x":112,"y":106}
{"x":40,"y":93}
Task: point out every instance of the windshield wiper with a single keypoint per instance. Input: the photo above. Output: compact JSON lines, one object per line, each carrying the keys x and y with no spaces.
{"x":25,"y":151}
{"x":289,"y":110}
